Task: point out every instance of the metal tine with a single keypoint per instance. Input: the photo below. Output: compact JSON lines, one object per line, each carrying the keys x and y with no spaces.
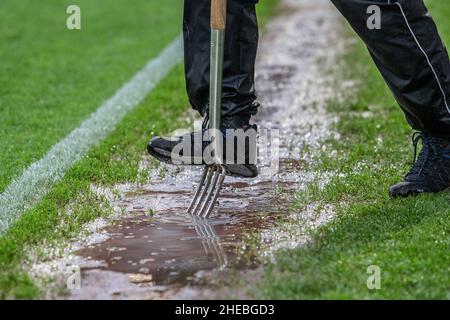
{"x":206,"y":238}
{"x":213,"y":243}
{"x":199,"y":189}
{"x":221,"y":176}
{"x":213,"y":252}
{"x":204,"y":191}
{"x":211,"y":239}
{"x":202,"y":236}
{"x":199,"y":232}
{"x":221,"y":256}
{"x":211,"y":192}
{"x":199,"y":229}
{"x":207,"y":227}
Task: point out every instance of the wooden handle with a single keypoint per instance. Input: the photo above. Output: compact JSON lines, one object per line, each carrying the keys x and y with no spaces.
{"x":218,"y":14}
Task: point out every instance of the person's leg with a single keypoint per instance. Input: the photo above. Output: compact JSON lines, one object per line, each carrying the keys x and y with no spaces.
{"x":414,"y":62}
{"x":411,"y":57}
{"x":241,"y":43}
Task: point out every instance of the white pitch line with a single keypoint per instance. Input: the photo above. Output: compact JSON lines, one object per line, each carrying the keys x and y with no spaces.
{"x":36,"y":181}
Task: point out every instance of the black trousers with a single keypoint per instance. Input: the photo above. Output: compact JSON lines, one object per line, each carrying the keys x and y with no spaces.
{"x":240,"y":54}
{"x":407,"y":50}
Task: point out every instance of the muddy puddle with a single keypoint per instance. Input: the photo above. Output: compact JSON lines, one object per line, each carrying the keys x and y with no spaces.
{"x":160,"y":242}
{"x":171,"y":250}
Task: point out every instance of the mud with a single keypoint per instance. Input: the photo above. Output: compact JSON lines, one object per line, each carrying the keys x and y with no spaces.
{"x":167,"y":247}
{"x":171,"y":250}
{"x":154,"y":250}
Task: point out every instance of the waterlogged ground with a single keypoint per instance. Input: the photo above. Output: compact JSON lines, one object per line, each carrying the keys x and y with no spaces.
{"x":153,"y":249}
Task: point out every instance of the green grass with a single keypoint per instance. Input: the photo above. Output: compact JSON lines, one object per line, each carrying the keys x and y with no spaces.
{"x":60,"y":77}
{"x":409,"y":239}
{"x":52,"y":78}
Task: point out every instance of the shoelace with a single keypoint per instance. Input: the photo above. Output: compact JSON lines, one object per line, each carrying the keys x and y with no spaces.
{"x":431,"y":149}
{"x":205,"y":122}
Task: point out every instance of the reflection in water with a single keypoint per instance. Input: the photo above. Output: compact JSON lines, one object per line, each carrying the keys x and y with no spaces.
{"x":210,"y":241}
{"x":171,"y":248}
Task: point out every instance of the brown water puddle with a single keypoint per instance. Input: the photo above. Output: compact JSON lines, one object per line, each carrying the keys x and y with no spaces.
{"x":168,"y":247}
{"x":171,"y":248}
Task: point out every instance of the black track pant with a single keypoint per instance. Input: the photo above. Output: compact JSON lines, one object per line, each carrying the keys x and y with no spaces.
{"x":407,"y":50}
{"x":240,"y":55}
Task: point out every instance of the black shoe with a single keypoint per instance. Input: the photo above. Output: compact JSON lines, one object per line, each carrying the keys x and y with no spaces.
{"x":171,"y":150}
{"x":430,"y":173}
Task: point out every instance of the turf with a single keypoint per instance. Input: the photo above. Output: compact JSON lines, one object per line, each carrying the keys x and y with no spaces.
{"x":408,"y":239}
{"x":51,"y":78}
{"x":80,"y":79}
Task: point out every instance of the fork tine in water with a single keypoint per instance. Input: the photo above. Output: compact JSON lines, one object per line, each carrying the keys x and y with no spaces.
{"x":199,"y":190}
{"x":215,"y":193}
{"x":211,"y":191}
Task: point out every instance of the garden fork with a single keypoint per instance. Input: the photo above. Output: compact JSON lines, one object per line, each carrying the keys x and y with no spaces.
{"x":214,"y":174}
{"x":211,"y":241}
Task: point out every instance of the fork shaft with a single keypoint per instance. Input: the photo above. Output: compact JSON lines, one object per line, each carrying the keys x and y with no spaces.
{"x":217,"y":53}
{"x":215,"y":93}
{"x":218,"y":23}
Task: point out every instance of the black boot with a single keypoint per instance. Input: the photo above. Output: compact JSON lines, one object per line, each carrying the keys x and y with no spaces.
{"x":189,"y":149}
{"x":430,"y":173}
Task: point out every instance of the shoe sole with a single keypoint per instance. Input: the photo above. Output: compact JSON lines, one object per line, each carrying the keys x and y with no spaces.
{"x":233,"y":170}
{"x":413,"y":193}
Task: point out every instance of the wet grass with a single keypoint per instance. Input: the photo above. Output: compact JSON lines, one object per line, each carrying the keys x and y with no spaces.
{"x":114,"y":160}
{"x":51,"y":78}
{"x":408,"y":239}
{"x":70,"y":204}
